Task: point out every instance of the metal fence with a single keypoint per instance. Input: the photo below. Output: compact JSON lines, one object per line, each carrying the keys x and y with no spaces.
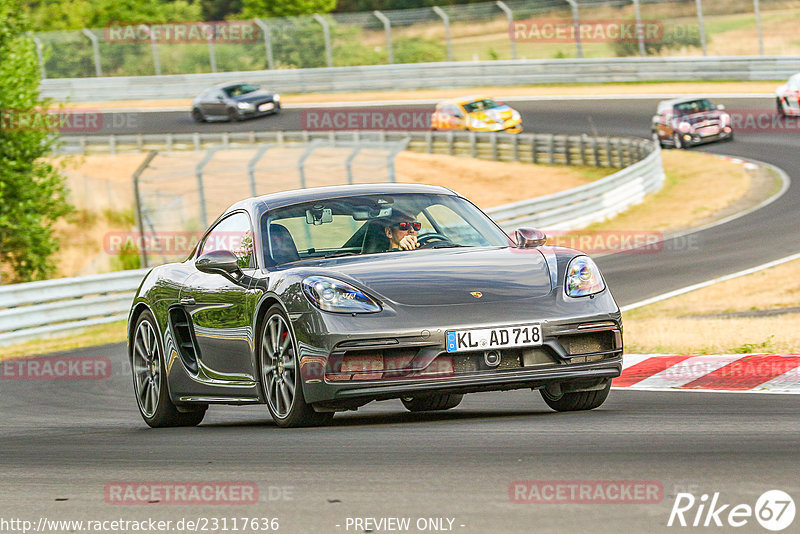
{"x":466,"y":32}
{"x":38,"y":309}
{"x":433,"y":76}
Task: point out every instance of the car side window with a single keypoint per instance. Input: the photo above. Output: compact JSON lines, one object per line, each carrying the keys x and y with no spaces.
{"x":233,"y":233}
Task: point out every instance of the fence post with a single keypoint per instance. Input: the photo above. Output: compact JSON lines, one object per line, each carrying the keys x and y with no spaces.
{"x":493,"y":144}
{"x":757,"y":9}
{"x":400,"y":146}
{"x":40,"y":56}
{"x":701,"y":26}
{"x":301,"y":163}
{"x":534,"y":150}
{"x":639,"y":28}
{"x":596,"y":152}
{"x":510,"y":17}
{"x":551,"y":148}
{"x":326,"y":32}
{"x":95,"y":50}
{"x":439,"y":11}
{"x":137,"y":199}
{"x":387,"y":26}
{"x":212,"y":54}
{"x":567,"y":150}
{"x":473,"y":145}
{"x":577,"y":25}
{"x":267,"y":42}
{"x":348,"y":164}
{"x":583,"y":149}
{"x":251,"y":167}
{"x":154,"y":48}
{"x":515,"y":145}
{"x":201,"y":194}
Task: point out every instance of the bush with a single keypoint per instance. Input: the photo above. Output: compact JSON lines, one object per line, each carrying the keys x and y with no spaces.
{"x":674,"y":39}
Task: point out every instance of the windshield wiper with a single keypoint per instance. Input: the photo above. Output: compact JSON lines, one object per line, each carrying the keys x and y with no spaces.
{"x":340,"y":254}
{"x":447,"y":245}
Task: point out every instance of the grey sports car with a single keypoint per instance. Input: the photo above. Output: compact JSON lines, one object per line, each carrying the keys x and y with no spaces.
{"x":234,"y":102}
{"x":304,"y":301}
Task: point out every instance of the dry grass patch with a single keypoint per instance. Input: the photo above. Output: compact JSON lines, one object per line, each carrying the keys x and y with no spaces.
{"x":491,"y":183}
{"x":665,"y":327}
{"x":697,"y":185}
{"x":87,"y":337}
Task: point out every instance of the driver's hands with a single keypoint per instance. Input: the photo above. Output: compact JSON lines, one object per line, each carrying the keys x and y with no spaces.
{"x":409,"y":242}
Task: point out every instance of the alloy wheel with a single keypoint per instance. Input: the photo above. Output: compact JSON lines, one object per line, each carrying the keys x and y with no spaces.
{"x":279,"y":366}
{"x":147,"y":368}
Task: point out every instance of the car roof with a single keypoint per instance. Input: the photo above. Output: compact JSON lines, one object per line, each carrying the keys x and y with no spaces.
{"x":463,"y":99}
{"x":298,"y":196}
{"x":674,"y":101}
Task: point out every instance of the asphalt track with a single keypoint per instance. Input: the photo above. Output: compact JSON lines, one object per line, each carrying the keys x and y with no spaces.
{"x":62,"y":442}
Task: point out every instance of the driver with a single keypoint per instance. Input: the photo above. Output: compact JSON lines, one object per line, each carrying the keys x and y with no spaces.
{"x":402,"y":231}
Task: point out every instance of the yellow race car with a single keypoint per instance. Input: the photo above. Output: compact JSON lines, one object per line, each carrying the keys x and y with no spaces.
{"x":477,"y":114}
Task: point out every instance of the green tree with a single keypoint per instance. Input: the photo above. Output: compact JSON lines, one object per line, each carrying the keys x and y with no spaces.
{"x":285,"y":8}
{"x":32,"y":192}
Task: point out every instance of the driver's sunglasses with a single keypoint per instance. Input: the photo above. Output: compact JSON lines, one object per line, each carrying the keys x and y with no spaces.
{"x":406,"y":226}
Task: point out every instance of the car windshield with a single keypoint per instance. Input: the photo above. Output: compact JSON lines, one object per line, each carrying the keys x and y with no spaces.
{"x":239,"y":90}
{"x":694,"y":106}
{"x":354,"y":225}
{"x":480,"y":105}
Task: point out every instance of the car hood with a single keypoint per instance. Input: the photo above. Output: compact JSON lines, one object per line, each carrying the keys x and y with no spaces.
{"x":256,"y":96}
{"x":451,"y":276}
{"x":702,"y":116}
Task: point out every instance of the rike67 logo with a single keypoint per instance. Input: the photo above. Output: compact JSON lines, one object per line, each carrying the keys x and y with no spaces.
{"x":774,"y":510}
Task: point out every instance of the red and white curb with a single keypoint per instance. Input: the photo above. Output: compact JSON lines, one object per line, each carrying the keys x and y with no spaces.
{"x":758,"y":373}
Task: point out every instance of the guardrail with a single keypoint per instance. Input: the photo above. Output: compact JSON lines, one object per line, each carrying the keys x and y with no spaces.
{"x":37,"y":309}
{"x":446,"y":75}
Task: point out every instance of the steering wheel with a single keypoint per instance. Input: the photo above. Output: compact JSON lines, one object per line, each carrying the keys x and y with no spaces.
{"x":429,"y":240}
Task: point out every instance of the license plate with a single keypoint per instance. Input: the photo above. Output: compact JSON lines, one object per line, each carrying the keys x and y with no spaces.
{"x":711,"y":130}
{"x":527,"y":335}
{"x":266,"y":107}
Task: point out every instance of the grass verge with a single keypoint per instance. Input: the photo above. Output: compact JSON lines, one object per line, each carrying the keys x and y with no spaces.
{"x":696,"y":323}
{"x":88,"y":337}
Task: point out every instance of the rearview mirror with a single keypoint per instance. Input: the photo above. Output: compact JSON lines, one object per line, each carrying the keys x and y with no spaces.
{"x":218,"y":262}
{"x":529,"y":237}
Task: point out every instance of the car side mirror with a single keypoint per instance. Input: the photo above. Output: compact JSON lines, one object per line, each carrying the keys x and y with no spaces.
{"x":219,"y":262}
{"x":529,"y":237}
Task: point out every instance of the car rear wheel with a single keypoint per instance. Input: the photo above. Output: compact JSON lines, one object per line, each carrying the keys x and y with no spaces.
{"x":576,"y":400}
{"x":150,"y":381}
{"x":280,"y":375}
{"x":781,"y":110}
{"x":197,"y":115}
{"x":432,"y":402}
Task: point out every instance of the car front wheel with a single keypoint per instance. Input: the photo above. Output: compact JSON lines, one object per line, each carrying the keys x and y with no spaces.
{"x":676,"y":140}
{"x":781,"y":110}
{"x":576,"y":400}
{"x":150,"y":380}
{"x":280,"y":375}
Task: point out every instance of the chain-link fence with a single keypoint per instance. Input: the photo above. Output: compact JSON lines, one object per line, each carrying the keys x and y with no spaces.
{"x":180,"y":193}
{"x":530,"y":29}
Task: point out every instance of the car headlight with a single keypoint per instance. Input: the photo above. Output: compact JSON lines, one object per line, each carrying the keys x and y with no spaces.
{"x":276,"y":97}
{"x":684,"y":127}
{"x":245,"y":105}
{"x":477,"y":123}
{"x":583,"y":278}
{"x":515,"y":116}
{"x":333,"y":295}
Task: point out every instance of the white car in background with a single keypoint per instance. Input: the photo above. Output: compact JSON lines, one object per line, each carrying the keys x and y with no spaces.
{"x":788,"y":97}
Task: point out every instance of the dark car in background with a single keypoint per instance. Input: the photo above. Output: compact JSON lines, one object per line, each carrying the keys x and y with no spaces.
{"x":295,"y":300}
{"x":234,"y":102}
{"x":685,"y":122}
